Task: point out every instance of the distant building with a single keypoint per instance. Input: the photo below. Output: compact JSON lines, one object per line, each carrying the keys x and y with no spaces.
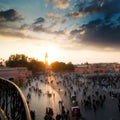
{"x":18,"y":73}
{"x":81,"y":68}
{"x":116,"y":67}
{"x":97,"y":68}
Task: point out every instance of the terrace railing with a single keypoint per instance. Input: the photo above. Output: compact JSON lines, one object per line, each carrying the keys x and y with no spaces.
{"x":13,"y":104}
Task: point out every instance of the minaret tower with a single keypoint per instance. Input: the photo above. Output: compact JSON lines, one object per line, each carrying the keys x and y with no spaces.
{"x":46,"y":59}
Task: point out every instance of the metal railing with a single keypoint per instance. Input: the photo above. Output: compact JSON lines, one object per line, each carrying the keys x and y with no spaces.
{"x":2,"y":115}
{"x":13,"y":104}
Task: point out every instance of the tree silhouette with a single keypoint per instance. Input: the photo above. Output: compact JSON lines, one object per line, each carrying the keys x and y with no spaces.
{"x":21,"y":60}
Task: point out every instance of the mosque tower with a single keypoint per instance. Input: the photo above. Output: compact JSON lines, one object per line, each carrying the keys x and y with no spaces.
{"x":46,"y":59}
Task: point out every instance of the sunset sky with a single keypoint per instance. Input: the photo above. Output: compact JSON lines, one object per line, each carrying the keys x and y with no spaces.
{"x":68,"y":30}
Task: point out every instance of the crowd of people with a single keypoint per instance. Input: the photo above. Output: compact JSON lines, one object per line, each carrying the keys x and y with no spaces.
{"x":91,"y":91}
{"x":94,"y":89}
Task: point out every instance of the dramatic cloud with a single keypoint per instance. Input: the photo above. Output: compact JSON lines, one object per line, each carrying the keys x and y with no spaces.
{"x":39,"y":20}
{"x":102,"y":30}
{"x":109,"y":7}
{"x":12,"y":32}
{"x":9,"y":23}
{"x":53,"y":15}
{"x":16,"y":34}
{"x":60,"y":4}
{"x":55,"y":20}
{"x":80,"y":22}
{"x":75,"y":14}
{"x":118,"y":19}
{"x":10,"y":15}
{"x":99,"y":34}
{"x":39,"y":28}
{"x":24,"y":26}
{"x":58,"y":23}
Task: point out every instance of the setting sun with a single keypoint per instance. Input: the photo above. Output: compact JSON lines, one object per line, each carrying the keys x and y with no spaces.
{"x":53,"y":52}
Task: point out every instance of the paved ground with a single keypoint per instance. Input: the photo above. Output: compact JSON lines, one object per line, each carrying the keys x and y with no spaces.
{"x":109,"y":111}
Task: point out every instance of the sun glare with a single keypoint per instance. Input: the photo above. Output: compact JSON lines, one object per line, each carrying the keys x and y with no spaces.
{"x":53,"y":52}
